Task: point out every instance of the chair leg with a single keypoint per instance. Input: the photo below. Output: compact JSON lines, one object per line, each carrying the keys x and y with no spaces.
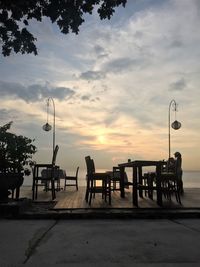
{"x":36,"y":189}
{"x":105,"y":192}
{"x":33,"y":190}
{"x":150,"y":186}
{"x":109,"y":192}
{"x":65,"y":184}
{"x":90,"y":198}
{"x":87,"y":191}
{"x":36,"y":192}
{"x":86,"y":194}
{"x":177,"y":193}
{"x":169,"y":191}
{"x":53,"y":189}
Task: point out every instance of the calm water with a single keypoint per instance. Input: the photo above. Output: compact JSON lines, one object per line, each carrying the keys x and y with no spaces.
{"x":191,"y":179}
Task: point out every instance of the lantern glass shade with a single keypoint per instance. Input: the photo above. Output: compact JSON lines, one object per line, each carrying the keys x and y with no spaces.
{"x":47,"y":127}
{"x":176,"y":125}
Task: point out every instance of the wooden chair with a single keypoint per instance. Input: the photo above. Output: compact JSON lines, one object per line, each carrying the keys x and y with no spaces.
{"x":115,"y":179}
{"x":88,"y":163}
{"x":97,"y":182}
{"x":72,"y":178}
{"x":171,"y":182}
{"x":149,"y":183}
{"x":47,"y":182}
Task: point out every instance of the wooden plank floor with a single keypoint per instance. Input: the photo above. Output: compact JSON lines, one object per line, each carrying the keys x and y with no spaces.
{"x":72,"y":199}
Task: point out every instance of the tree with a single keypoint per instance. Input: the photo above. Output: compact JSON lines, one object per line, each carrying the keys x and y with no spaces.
{"x":15,"y":150}
{"x":15,"y":153}
{"x":16,"y":15}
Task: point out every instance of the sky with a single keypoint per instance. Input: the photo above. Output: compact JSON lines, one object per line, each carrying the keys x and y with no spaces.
{"x":112,"y":85}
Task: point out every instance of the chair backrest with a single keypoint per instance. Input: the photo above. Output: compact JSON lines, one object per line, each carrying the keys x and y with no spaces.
{"x":171,"y":165}
{"x":55,"y":152}
{"x":87,"y":160}
{"x":90,"y":165}
{"x":174,"y":166}
{"x":116,"y":169}
{"x":77,"y":172}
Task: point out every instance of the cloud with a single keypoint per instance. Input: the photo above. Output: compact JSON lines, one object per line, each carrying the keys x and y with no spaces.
{"x":85,"y":97}
{"x":134,"y":64}
{"x":6,"y":114}
{"x":176,"y":44}
{"x":100,"y":51}
{"x":34,"y":92}
{"x":92,"y":75}
{"x":121,"y":64}
{"x":89,"y":98}
{"x":178,"y":85}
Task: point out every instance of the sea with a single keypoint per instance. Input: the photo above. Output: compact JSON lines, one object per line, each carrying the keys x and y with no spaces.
{"x":191,"y":179}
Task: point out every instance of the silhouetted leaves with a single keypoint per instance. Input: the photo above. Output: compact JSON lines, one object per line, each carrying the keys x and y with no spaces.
{"x":67,"y":14}
{"x":15,"y":150}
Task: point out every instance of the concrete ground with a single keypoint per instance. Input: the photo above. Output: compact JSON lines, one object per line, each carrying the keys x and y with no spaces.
{"x":100,"y":242}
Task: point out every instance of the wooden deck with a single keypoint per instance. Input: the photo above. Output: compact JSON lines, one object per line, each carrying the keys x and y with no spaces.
{"x":72,"y":199}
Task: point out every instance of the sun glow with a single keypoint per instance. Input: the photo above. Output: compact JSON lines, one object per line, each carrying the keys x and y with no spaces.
{"x":101,"y":139}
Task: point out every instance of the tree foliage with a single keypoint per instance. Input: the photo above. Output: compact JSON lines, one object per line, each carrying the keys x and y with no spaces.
{"x":15,"y":150}
{"x":16,"y":15}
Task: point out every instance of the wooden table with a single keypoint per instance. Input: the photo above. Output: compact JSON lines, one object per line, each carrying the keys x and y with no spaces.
{"x":137,"y":166}
{"x":58,"y":175}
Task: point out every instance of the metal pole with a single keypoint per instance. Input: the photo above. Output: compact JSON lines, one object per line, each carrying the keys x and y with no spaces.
{"x":174,"y":102}
{"x":54,"y":121}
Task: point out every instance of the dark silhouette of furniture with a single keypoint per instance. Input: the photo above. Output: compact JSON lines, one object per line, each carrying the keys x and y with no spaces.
{"x":71,"y":180}
{"x":137,"y":182}
{"x":97,"y":183}
{"x":59,"y":175}
{"x":171,"y":182}
{"x":149,"y":183}
{"x":115,"y":179}
{"x":47,"y":182}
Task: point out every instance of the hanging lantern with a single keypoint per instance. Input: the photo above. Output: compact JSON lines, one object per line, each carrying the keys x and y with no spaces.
{"x":47,"y":127}
{"x":176,"y":125}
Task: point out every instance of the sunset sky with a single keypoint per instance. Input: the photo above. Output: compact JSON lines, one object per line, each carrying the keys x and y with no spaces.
{"x":112,"y":85}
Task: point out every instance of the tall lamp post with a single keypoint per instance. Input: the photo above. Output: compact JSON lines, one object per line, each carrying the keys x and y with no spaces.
{"x":175,"y":125}
{"x":47,"y":127}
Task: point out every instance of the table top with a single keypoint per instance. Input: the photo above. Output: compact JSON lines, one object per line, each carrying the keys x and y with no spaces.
{"x":138,"y":163}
